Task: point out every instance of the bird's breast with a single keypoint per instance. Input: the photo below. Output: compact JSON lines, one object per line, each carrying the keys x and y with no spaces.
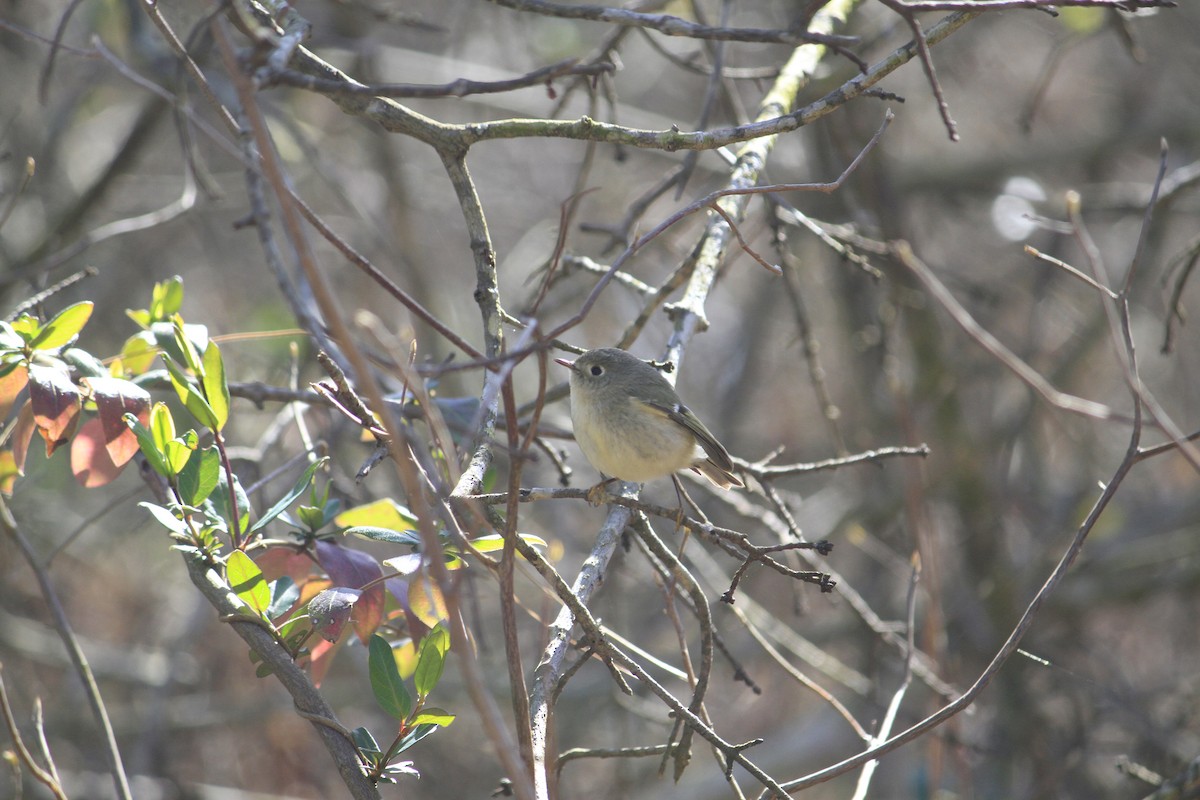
{"x":632,"y":443}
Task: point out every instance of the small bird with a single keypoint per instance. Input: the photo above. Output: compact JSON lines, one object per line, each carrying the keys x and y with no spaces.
{"x":631,"y":425}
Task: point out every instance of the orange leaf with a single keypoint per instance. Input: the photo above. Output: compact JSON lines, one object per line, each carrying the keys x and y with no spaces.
{"x":275,"y":562}
{"x":11,"y":386}
{"x":114,"y":399}
{"x":56,"y":405}
{"x":368,"y":613}
{"x":313,"y":587}
{"x":90,"y":461}
{"x":426,"y":601}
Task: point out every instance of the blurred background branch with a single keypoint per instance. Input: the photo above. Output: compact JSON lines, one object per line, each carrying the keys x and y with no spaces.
{"x":439,"y":168}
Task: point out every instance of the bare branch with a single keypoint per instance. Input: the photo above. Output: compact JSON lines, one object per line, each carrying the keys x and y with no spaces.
{"x":458,"y":88}
{"x":675,"y":26}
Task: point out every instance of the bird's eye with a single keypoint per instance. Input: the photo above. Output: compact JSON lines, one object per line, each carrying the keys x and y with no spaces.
{"x":597,"y":370}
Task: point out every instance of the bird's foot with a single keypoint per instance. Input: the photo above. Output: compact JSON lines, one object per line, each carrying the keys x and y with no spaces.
{"x":598,"y":494}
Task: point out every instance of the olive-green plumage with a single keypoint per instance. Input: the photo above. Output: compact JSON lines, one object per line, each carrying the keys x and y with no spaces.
{"x":630,"y":423}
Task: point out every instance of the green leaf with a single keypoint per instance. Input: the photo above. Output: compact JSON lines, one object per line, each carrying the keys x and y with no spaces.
{"x":138,"y":353}
{"x":165,"y":518}
{"x":247,"y":581}
{"x":178,"y":452}
{"x":385,"y":679}
{"x":177,"y":455}
{"x":85,"y":363}
{"x":199,"y":476}
{"x":417,"y":734}
{"x":384,"y":513}
{"x":64,"y":327}
{"x":166,"y":299}
{"x":191,"y":398}
{"x":1083,"y":21}
{"x":494,"y":541}
{"x":365,"y":742}
{"x":191,"y":358}
{"x":284,"y":594}
{"x":295,"y":632}
{"x":147,"y":445}
{"x":141,"y":316}
{"x":312,"y":517}
{"x":179,"y":380}
{"x":384,"y":535}
{"x":163,"y":336}
{"x":220,"y":501}
{"x":431,"y":658}
{"x":216,"y":390}
{"x":433,"y":716}
{"x":27,"y":327}
{"x":290,"y":497}
{"x":162,"y":425}
{"x":295,"y":628}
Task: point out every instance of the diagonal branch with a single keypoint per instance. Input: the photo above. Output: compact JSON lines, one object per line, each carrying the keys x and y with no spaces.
{"x":1028,"y":375}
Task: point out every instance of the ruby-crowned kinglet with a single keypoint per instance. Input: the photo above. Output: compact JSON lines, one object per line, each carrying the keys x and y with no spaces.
{"x":630,"y":423}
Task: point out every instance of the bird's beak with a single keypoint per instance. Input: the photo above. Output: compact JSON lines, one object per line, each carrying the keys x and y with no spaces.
{"x":568,"y":364}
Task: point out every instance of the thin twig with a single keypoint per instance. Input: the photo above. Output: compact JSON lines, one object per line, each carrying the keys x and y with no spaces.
{"x":112,"y":752}
{"x":1070,"y":270}
{"x":889,"y":717}
{"x":680,"y":574}
{"x":45,"y":777}
{"x":927,"y":63}
{"x":36,"y":300}
{"x":799,"y":676}
{"x":762,"y":471}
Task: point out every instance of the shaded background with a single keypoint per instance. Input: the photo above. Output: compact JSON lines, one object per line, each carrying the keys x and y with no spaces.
{"x":1043,"y":105}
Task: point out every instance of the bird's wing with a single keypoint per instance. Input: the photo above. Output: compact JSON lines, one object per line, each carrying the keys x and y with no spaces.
{"x":680,"y":414}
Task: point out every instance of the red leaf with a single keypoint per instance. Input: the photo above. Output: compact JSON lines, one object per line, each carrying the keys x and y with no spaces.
{"x":116,"y":397}
{"x":90,"y":461}
{"x":56,"y":404}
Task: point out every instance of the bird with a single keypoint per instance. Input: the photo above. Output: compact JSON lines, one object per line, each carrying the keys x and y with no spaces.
{"x":631,"y":425}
